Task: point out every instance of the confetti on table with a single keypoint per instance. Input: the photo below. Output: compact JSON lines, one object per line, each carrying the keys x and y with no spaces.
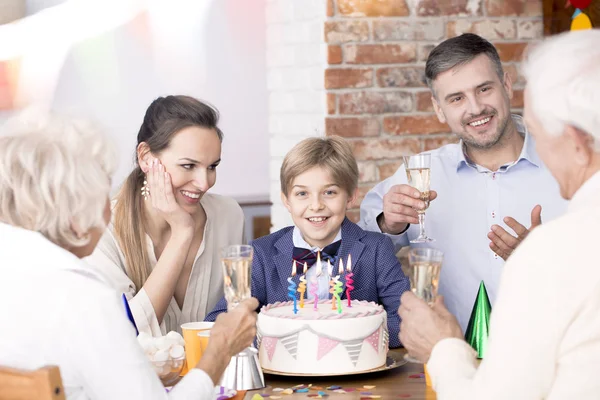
{"x":321,"y":393}
{"x":302,"y":390}
{"x":349,"y":389}
{"x":257,"y":397}
{"x":313,"y":395}
{"x":315,"y":387}
{"x":417,"y":376}
{"x":287,"y":391}
{"x":278,"y":390}
{"x":369,"y":386}
{"x":334,"y":387}
{"x":342,"y":391}
{"x":366,"y":393}
{"x":299,"y":387}
{"x":375,"y":396}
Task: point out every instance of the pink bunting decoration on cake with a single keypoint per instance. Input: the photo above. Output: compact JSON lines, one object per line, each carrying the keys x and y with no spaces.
{"x":373,"y":340}
{"x":270,"y":343}
{"x":325,"y":346}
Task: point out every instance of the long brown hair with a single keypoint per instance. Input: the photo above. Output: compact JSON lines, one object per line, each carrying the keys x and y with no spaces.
{"x":164,"y":118}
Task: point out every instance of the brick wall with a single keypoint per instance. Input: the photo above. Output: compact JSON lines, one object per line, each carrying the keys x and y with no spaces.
{"x":376,"y":56}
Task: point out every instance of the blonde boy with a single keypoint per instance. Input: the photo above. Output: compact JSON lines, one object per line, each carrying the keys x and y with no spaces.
{"x":319,"y":177}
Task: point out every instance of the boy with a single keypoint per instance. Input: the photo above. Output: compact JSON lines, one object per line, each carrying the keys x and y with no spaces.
{"x":319,"y":177}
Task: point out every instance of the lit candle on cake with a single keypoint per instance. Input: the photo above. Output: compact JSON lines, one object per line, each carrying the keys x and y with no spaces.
{"x":292,"y":287}
{"x":338,"y":288}
{"x":302,"y":286}
{"x":331,"y":284}
{"x":349,"y":280}
{"x":314,"y":284}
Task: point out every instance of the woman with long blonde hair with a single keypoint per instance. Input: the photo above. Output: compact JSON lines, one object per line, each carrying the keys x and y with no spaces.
{"x":163,"y":246}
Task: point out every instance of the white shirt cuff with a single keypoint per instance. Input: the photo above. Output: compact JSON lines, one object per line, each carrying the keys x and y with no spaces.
{"x":450,"y":359}
{"x":196,"y":385}
{"x":144,"y":314}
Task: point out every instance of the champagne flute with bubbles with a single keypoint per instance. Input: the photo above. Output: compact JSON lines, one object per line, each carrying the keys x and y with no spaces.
{"x":424,"y":266}
{"x":418,"y":173}
{"x":237,"y":263}
{"x":243,"y":371}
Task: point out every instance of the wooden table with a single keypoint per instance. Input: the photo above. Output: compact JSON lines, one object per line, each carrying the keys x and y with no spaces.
{"x":392,"y":384}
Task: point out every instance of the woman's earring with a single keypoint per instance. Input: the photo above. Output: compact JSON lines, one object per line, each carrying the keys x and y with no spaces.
{"x":145,"y":190}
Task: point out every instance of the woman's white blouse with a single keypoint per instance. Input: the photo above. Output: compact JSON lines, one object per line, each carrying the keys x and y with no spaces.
{"x":224,"y":226}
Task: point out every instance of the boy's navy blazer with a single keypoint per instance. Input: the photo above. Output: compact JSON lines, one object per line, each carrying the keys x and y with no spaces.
{"x":378,"y":276}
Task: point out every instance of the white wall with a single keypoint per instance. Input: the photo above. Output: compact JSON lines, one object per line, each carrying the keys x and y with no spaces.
{"x":296,"y":60}
{"x":210,"y":49}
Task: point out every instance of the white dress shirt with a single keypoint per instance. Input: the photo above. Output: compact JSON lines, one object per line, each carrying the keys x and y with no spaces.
{"x":224,"y":226}
{"x":56,"y":311}
{"x":544,"y":338}
{"x":323,"y":280}
{"x":470,"y":200}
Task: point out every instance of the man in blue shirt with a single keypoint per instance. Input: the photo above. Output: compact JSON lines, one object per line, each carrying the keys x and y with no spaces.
{"x":489,"y":189}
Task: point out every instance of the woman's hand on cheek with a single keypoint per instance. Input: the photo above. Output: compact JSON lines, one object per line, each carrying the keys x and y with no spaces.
{"x":163,"y":198}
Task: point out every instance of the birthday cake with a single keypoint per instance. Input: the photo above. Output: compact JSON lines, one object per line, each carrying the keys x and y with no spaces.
{"x":322,"y":342}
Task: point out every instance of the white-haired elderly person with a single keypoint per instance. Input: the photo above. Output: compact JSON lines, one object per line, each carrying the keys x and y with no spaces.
{"x":55,"y":178}
{"x":544,"y":340}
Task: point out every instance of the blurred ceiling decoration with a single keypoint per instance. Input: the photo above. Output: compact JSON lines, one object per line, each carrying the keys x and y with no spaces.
{"x":36,"y":36}
{"x":62,"y":21}
{"x":34,"y":6}
{"x":12,"y":10}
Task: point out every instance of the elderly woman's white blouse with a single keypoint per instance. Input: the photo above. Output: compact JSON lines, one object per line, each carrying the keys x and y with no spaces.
{"x":545,"y":326}
{"x":224,"y":226}
{"x":56,"y":311}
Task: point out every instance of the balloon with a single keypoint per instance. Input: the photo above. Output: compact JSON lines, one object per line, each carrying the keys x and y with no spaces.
{"x":581,"y":22}
{"x":581,"y":4}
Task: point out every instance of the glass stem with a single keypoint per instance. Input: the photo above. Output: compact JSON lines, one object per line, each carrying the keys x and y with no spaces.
{"x":422,"y":225}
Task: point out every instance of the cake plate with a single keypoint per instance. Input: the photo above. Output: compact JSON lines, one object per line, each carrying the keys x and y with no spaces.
{"x":392,"y":361}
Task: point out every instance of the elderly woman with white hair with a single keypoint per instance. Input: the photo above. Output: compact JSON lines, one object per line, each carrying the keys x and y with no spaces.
{"x":544,"y":340}
{"x":54,"y":185}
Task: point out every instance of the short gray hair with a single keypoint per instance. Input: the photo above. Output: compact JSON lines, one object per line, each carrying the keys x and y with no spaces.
{"x":563,"y":82}
{"x":54,"y":171}
{"x":458,"y":51}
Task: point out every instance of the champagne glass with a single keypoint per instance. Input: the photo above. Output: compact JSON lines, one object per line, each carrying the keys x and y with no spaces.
{"x":237,"y":263}
{"x":418,"y":173}
{"x":424,"y":269}
{"x":243,"y":371}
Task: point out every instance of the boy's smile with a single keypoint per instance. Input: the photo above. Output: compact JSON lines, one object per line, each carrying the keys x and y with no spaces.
{"x":317,"y":205}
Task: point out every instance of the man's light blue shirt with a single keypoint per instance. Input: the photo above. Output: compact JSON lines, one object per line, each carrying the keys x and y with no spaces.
{"x":470,"y":200}
{"x":323,"y":280}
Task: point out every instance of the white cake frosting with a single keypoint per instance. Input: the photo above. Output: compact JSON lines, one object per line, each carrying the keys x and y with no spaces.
{"x":323,"y":341}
